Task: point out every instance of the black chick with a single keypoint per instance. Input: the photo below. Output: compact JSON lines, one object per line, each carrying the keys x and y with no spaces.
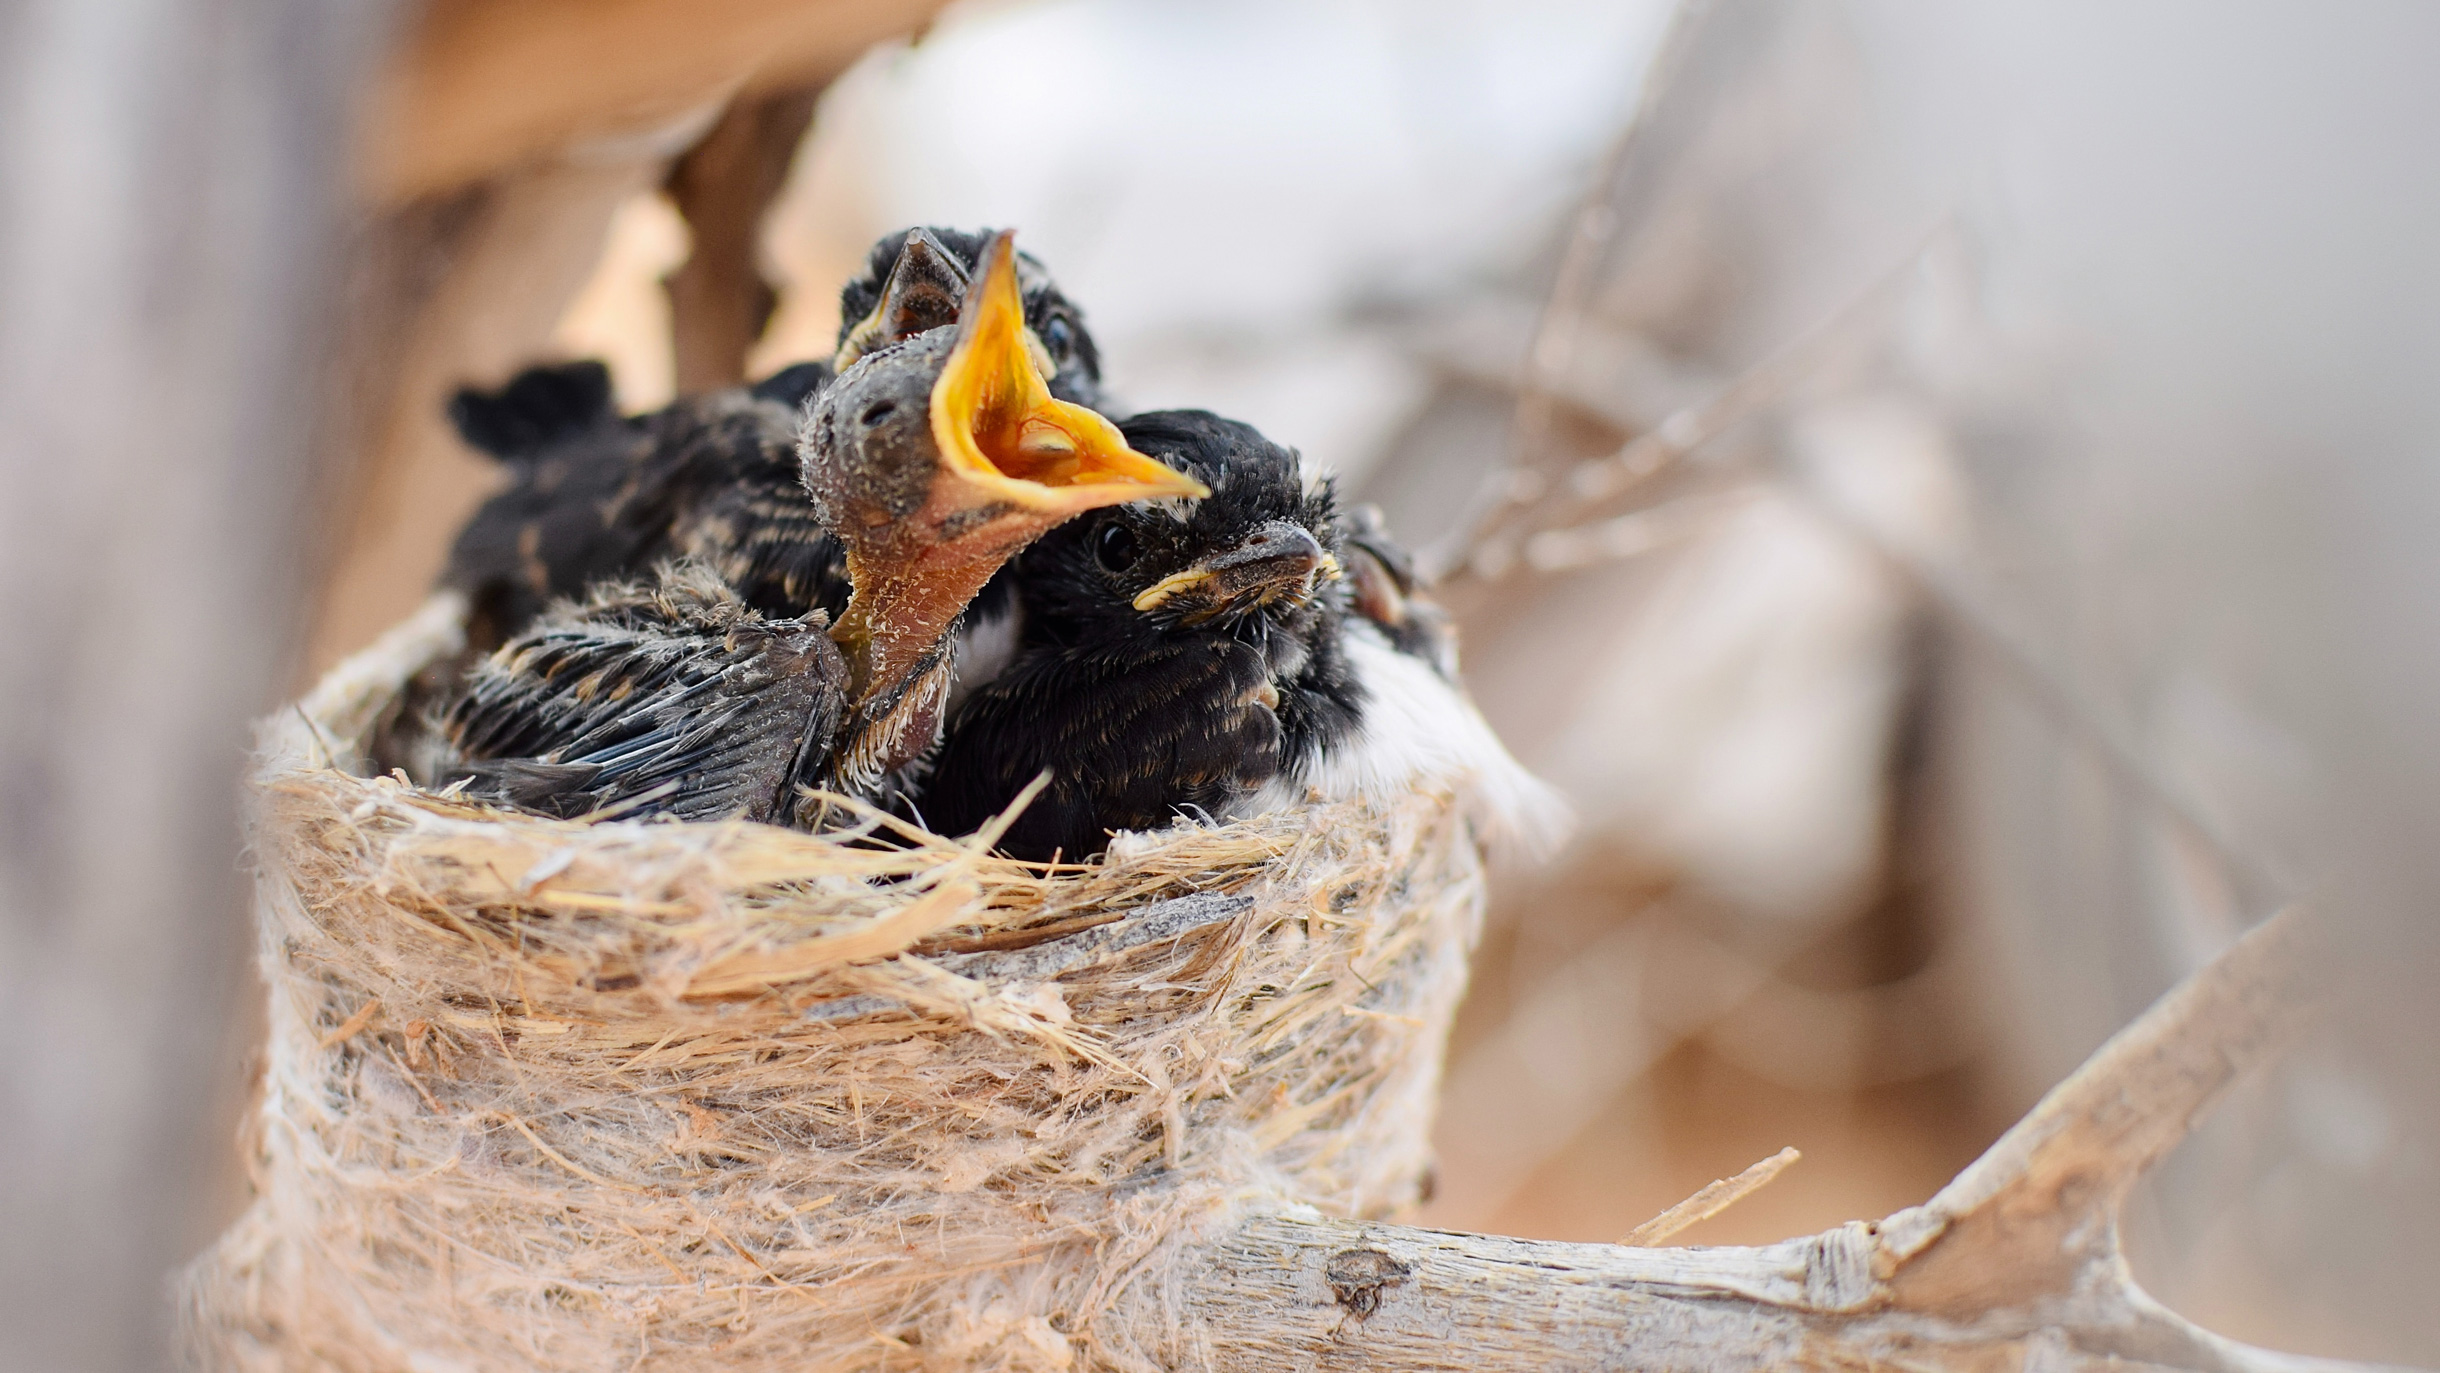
{"x":594,"y":497}
{"x":1170,"y":659}
{"x":1068,"y":356}
{"x":1259,"y":649}
{"x":931,"y":462}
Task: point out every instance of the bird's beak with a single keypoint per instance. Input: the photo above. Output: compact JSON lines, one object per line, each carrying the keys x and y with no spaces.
{"x":925,"y":286}
{"x":1279,"y":560}
{"x":1004,"y":440}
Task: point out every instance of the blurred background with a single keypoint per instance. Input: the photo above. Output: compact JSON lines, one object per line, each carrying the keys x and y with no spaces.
{"x":1946,"y":491}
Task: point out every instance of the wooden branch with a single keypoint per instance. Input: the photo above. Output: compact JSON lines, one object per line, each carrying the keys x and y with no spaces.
{"x":2066,"y":1167}
{"x":2014,"y":1264}
{"x":482,"y":86}
{"x":719,"y":300}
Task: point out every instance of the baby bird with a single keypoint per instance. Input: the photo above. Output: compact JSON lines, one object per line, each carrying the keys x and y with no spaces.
{"x":882,"y":305}
{"x":594,"y":497}
{"x":1250,"y":651}
{"x":931,"y":462}
{"x":1168,"y":657}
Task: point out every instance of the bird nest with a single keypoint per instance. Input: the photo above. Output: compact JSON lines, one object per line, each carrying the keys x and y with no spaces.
{"x":641,"y":1094}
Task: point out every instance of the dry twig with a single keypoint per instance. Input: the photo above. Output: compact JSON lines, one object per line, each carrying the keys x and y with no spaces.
{"x":1560,"y":512}
{"x":1590,"y":230}
{"x":1710,"y":1200}
{"x":2014,"y":1264}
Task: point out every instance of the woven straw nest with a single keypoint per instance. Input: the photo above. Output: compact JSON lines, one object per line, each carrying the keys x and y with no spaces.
{"x":543,"y":1095}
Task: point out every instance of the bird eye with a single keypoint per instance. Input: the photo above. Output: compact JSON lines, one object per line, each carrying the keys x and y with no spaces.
{"x":1058,"y":337}
{"x":879,"y":412}
{"x":1114,"y":547}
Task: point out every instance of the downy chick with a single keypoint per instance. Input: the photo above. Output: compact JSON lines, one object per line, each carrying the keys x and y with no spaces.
{"x":594,"y":497}
{"x":931,"y":462}
{"x":1212,"y":661}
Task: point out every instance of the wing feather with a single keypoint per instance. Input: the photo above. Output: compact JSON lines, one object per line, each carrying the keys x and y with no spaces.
{"x":669,"y":699}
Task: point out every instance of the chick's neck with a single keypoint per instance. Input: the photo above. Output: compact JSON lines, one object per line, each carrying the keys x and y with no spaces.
{"x":904,"y":602}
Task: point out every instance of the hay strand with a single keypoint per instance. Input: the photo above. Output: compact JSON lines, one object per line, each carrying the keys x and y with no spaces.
{"x":1710,"y":1200}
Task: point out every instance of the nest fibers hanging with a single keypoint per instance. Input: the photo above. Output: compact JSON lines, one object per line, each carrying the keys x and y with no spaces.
{"x":542,"y":1095}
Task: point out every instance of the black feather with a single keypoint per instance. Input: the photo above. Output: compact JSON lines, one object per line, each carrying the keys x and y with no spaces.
{"x":539,"y":407}
{"x":674,"y":695}
{"x":1143,"y":716}
{"x":792,"y":386}
{"x":711,"y":477}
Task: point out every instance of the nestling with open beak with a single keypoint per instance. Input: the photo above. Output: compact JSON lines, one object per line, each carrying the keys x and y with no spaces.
{"x":593,"y":497}
{"x":931,"y":462}
{"x":1204,"y":661}
{"x":913,"y":280}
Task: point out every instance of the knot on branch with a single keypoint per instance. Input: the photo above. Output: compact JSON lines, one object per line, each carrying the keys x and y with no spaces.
{"x":1357,"y":1278}
{"x":1839,"y":1268}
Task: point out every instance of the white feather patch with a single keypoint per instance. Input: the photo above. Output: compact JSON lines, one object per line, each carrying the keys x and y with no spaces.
{"x":1418,"y":729}
{"x":984,"y":648}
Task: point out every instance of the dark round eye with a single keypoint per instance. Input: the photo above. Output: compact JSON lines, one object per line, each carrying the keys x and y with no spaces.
{"x":879,"y":411}
{"x":1114,"y":547}
{"x":1058,"y":337}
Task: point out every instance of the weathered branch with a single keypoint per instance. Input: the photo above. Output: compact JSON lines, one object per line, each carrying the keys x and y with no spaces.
{"x":719,"y":300}
{"x":481,"y":86}
{"x":2014,"y":1263}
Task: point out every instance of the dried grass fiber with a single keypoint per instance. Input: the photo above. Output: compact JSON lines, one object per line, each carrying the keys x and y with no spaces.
{"x":644,"y":1095}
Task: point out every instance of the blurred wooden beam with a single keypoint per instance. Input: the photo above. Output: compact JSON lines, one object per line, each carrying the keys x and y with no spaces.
{"x":503,"y":136}
{"x":175,"y":176}
{"x":442,"y":292}
{"x":481,"y":86}
{"x":719,"y":300}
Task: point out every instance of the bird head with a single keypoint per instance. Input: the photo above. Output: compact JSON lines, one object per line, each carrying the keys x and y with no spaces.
{"x":935,"y":459}
{"x":916,"y":279}
{"x":1253,"y":556}
{"x":1383,"y":587}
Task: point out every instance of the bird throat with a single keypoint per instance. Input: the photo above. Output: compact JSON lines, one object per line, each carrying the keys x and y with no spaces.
{"x":901,"y":611}
{"x":894,"y":636}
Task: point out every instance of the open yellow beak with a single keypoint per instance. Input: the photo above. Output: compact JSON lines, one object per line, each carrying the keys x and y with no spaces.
{"x":1002,"y":433}
{"x":922,"y":293}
